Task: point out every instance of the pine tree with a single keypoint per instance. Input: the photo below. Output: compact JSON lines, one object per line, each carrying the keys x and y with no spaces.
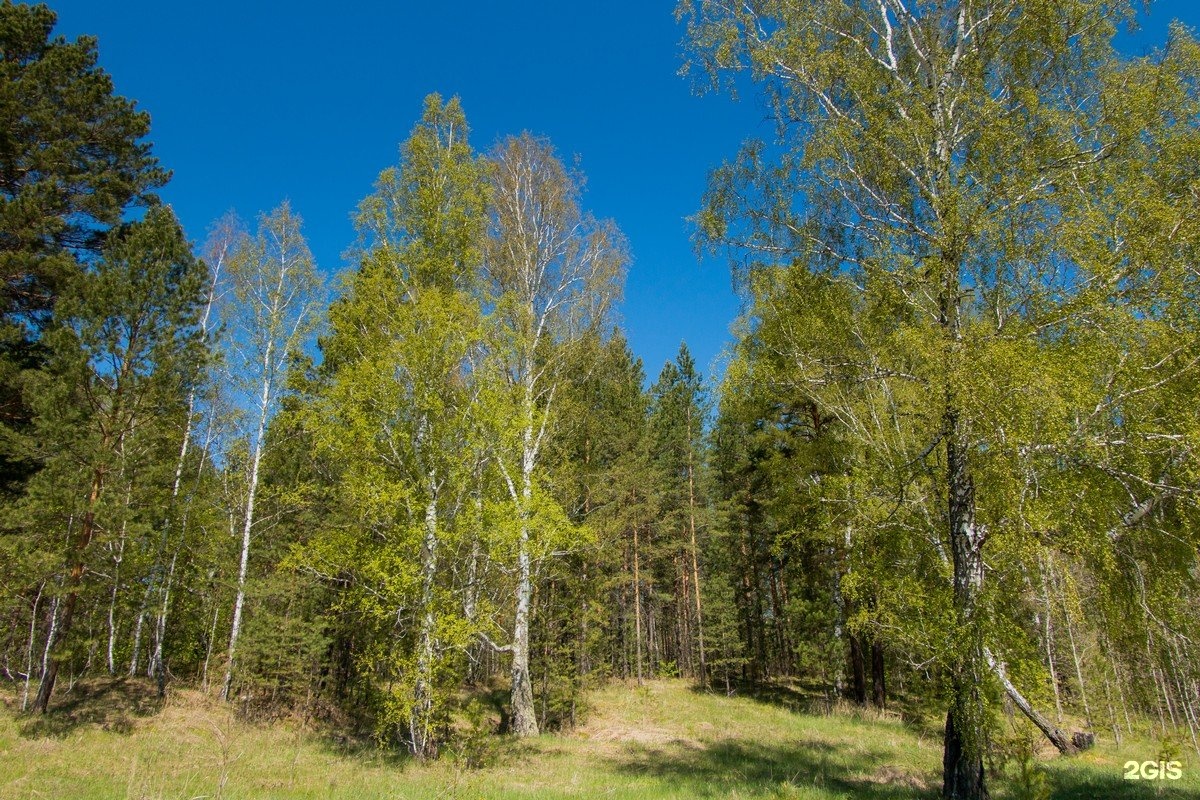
{"x":72,"y":162}
{"x":124,"y":353}
{"x":677,"y":422}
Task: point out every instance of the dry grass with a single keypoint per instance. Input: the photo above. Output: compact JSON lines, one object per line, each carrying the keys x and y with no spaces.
{"x":663,"y":740}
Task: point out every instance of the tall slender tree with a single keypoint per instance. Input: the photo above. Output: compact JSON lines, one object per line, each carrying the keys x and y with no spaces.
{"x":678,"y":422}
{"x":398,"y":414}
{"x":275,"y":299}
{"x":124,"y":353}
{"x":554,"y":273}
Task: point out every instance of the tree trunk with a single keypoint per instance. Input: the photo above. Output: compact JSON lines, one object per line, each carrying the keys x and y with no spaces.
{"x":421,"y":713}
{"x":878,"y":678}
{"x":248,"y":524}
{"x":858,"y":670}
{"x":962,"y":762}
{"x":157,"y":669}
{"x":138,"y":622}
{"x":110,"y":661}
{"x":524,"y":715}
{"x":1049,"y":642}
{"x":962,"y":767}
{"x":1087,"y":709}
{"x":1112,"y":714}
{"x":208,"y":650}
{"x":29,"y":651}
{"x":839,"y":621}
{"x":1059,"y":739}
{"x":695,"y":554}
{"x":637,"y":608}
{"x":87,"y":530}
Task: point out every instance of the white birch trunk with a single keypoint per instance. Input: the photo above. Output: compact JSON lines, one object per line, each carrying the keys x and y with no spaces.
{"x":110,"y":663}
{"x":248,"y":521}
{"x":524,"y":717}
{"x":157,"y":669}
{"x":695,"y":554}
{"x":421,"y":714}
{"x":29,"y":649}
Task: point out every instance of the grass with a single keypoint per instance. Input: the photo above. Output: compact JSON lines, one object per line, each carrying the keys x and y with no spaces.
{"x":663,"y":740}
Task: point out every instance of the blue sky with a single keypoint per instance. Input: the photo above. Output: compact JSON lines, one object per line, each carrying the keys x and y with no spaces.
{"x":256,"y":102}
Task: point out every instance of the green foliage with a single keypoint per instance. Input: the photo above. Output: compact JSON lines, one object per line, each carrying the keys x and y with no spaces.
{"x":74,"y":162}
{"x":74,"y":159}
{"x":282,"y":649}
{"x":393,"y":414}
{"x":1018,"y":755}
{"x":475,"y":744}
{"x":945,"y":257}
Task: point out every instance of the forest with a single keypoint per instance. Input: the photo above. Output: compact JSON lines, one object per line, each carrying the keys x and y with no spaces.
{"x":949,"y":469}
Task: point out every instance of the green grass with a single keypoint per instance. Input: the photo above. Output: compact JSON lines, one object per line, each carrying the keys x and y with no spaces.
{"x":660,"y":741}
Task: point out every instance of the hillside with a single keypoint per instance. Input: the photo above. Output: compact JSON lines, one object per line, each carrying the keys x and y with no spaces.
{"x":661,"y":741}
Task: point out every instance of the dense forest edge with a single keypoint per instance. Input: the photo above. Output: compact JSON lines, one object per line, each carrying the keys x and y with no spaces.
{"x":435,"y":508}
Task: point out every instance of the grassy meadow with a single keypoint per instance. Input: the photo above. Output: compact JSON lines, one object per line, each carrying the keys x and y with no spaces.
{"x":662,"y":740}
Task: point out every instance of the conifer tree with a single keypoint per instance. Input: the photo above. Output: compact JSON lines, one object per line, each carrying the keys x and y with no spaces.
{"x":677,"y":420}
{"x":73,"y":160}
{"x":124,"y":353}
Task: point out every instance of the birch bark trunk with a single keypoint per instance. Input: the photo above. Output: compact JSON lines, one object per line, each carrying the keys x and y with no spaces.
{"x":421,"y":714}
{"x":248,"y":521}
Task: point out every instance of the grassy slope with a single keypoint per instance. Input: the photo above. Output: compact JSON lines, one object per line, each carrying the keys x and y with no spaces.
{"x":662,"y":741}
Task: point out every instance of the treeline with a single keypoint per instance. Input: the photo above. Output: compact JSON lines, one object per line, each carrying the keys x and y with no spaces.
{"x":446,"y":471}
{"x":951,"y":459}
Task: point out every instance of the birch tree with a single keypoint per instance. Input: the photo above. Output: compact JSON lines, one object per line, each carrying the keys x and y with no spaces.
{"x":553,"y":272}
{"x":396,"y":414}
{"x":276,"y":295}
{"x":955,"y":163}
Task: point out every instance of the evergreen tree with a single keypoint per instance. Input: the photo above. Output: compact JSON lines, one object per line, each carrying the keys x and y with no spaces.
{"x":677,"y":421}
{"x":72,"y":161}
{"x":123,"y":354}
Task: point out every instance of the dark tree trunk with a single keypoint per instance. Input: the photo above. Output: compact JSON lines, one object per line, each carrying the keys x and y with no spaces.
{"x":858,"y":670}
{"x":42,"y":703}
{"x":878,"y":679}
{"x":962,"y":761}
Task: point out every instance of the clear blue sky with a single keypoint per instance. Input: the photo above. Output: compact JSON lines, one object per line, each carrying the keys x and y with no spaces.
{"x":255,"y":102}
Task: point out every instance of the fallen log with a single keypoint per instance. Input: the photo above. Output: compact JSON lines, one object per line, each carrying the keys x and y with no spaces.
{"x":1065,"y":745}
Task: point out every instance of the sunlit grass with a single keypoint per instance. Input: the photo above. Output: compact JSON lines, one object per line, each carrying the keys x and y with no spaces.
{"x":663,"y":740}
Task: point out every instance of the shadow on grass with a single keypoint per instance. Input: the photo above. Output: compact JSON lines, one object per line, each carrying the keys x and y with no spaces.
{"x":732,"y":768}
{"x":814,"y":699}
{"x":476,"y":734}
{"x":111,"y":704}
{"x":1071,"y":784}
